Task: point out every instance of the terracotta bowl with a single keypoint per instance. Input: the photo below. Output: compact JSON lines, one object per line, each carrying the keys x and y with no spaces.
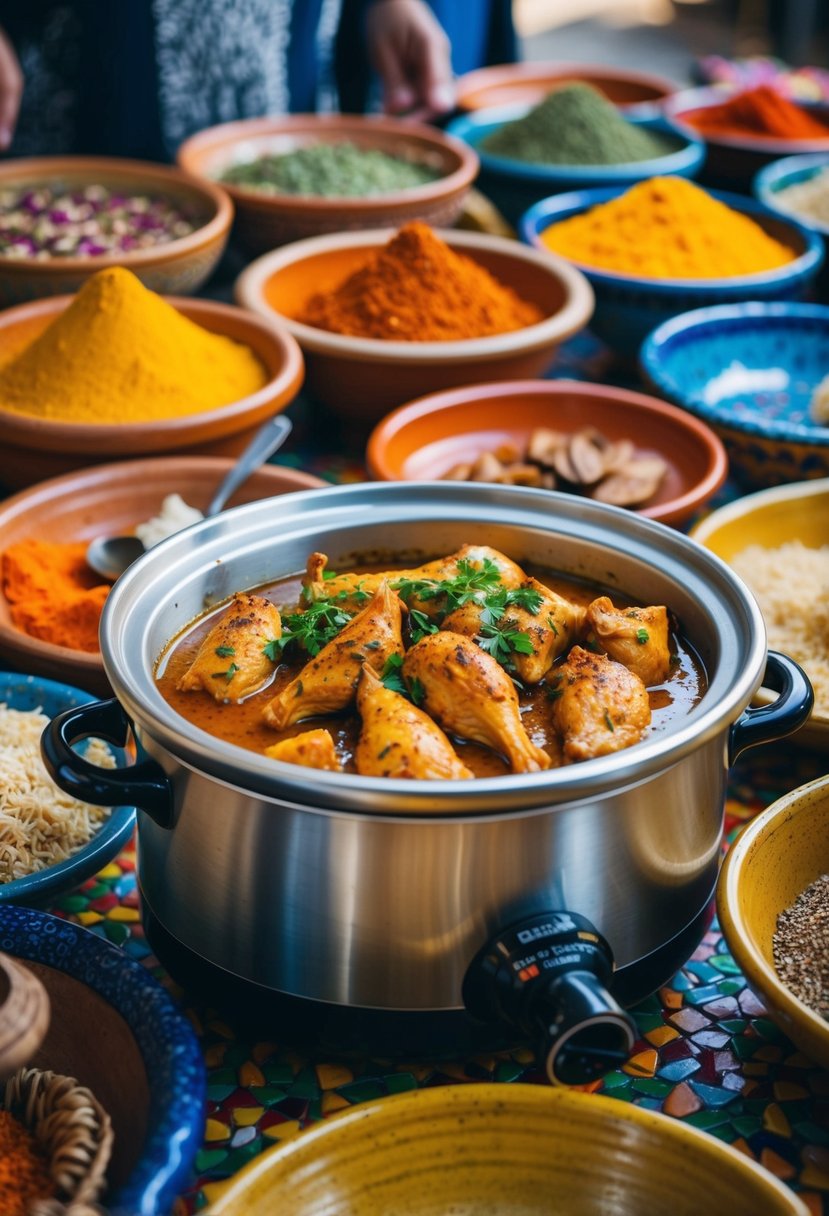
{"x":365,"y":377}
{"x":117,"y":1031}
{"x":176,"y":268}
{"x":112,"y":499}
{"x":422,"y":440}
{"x":797,"y":511}
{"x":266,"y":220}
{"x":33,"y":448}
{"x":500,"y":1149}
{"x":733,"y":160}
{"x":775,"y":857}
{"x":529,"y":83}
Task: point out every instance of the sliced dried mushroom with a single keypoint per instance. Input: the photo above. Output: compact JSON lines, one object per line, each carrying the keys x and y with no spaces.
{"x":543,"y":445}
{"x":586,"y":457}
{"x":635,"y":483}
{"x":486,"y":468}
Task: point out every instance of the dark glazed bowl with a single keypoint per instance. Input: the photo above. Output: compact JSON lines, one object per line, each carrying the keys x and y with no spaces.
{"x":118,"y":1032}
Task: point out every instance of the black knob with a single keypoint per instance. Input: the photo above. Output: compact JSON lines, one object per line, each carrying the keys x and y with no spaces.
{"x":548,"y":977}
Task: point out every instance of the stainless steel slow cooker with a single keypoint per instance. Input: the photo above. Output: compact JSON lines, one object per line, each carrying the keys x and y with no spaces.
{"x":543,"y":901}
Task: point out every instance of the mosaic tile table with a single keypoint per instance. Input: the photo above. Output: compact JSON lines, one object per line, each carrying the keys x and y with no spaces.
{"x":706,"y":1051}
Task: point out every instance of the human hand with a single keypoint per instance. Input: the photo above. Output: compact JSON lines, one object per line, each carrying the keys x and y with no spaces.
{"x":411,"y":53}
{"x":11,"y":90}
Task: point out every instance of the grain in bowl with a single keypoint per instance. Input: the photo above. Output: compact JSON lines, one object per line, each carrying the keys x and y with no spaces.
{"x":791,"y":585}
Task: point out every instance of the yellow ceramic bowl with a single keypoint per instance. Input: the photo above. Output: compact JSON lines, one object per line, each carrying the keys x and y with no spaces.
{"x":504,"y":1150}
{"x":774,"y":858}
{"x":798,"y":511}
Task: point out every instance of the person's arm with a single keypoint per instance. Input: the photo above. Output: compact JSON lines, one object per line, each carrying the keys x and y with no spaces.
{"x":11,"y":90}
{"x":409,"y":50}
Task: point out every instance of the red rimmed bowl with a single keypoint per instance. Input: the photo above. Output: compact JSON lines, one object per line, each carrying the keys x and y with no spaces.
{"x":110,"y":499}
{"x":266,"y":220}
{"x":363,"y":378}
{"x":422,"y":440}
{"x":32,"y":448}
{"x":528,"y":83}
{"x":176,"y":267}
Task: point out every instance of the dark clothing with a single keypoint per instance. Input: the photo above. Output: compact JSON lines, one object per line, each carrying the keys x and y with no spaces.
{"x":136,"y":77}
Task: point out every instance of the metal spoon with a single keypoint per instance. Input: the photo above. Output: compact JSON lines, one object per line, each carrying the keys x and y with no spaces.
{"x":110,"y":556}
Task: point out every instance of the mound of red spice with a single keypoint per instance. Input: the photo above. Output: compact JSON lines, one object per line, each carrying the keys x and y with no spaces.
{"x":24,"y":1176}
{"x":759,"y":111}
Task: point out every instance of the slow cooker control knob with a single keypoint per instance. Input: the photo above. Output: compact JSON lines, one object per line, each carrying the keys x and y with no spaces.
{"x":548,"y":977}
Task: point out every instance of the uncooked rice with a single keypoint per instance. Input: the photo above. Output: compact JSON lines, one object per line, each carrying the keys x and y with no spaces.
{"x":791,"y":584}
{"x":39,"y":824}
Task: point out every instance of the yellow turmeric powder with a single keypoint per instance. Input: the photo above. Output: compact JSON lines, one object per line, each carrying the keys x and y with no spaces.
{"x":120,"y":353}
{"x":667,"y":228}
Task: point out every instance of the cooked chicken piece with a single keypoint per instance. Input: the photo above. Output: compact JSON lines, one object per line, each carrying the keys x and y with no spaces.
{"x":312,"y":749}
{"x":398,"y":739}
{"x":327,"y":683}
{"x":551,"y":629}
{"x":355,"y":588}
{"x":601,"y":707}
{"x":471,"y":695}
{"x":637,"y":637}
{"x":231,"y":663}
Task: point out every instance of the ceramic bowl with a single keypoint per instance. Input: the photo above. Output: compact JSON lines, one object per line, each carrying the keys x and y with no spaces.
{"x":116,"y":1030}
{"x":25,"y":692}
{"x":529,"y":82}
{"x":34,"y":448}
{"x":749,"y":371}
{"x":176,"y":268}
{"x":113,"y":498}
{"x":790,"y":171}
{"x":776,"y":856}
{"x":798,"y":511}
{"x":266,"y":220}
{"x":365,"y":377}
{"x":514,"y":185}
{"x":628,"y":307}
{"x":501,"y":1149}
{"x":733,"y":160}
{"x":423,"y":439}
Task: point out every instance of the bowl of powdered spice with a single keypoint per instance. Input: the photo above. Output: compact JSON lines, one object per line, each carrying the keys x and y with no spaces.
{"x":300,"y":175}
{"x":572,"y":140}
{"x":382,"y":318}
{"x":773,"y":905}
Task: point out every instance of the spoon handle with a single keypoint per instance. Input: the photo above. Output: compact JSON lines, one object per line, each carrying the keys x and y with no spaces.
{"x":265,"y":442}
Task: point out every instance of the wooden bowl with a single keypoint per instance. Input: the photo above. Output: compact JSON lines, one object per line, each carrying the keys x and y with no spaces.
{"x":266,"y":220}
{"x":798,"y":511}
{"x":112,"y":499}
{"x":776,"y":856}
{"x":33,"y":448}
{"x":365,"y":377}
{"x":528,"y":83}
{"x":176,"y":268}
{"x":422,"y":440}
{"x":116,"y":1030}
{"x":504,"y":1149}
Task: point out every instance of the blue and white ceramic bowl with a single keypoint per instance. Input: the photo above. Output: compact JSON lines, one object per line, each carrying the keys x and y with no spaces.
{"x":628,"y":307}
{"x":749,"y":371}
{"x":25,"y":692}
{"x":116,"y":1030}
{"x":769,"y":184}
{"x":514,"y":185}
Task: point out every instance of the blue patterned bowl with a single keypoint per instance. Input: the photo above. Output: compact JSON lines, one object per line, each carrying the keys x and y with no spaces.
{"x":749,"y":371}
{"x":45,"y":886}
{"x":514,"y":185}
{"x":117,"y":1031}
{"x":789,"y":171}
{"x":629,"y":307}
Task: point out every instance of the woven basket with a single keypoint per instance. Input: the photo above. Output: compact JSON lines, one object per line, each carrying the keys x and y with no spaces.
{"x":74,"y":1133}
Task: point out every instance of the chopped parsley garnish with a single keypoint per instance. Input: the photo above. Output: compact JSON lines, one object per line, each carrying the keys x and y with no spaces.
{"x":472,"y":582}
{"x":226,"y":675}
{"x":420,"y":625}
{"x":391,"y":675}
{"x":642,"y":636}
{"x":608,"y":721}
{"x":225,"y":652}
{"x":502,"y":643}
{"x":417,"y":691}
{"x":312,"y":629}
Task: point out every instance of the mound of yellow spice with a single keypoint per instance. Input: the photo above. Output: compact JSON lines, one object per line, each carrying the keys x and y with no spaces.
{"x":122,"y":354}
{"x":667,"y":228}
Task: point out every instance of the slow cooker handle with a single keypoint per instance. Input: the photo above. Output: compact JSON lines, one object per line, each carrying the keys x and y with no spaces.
{"x":144,"y":785}
{"x":765,"y":723}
